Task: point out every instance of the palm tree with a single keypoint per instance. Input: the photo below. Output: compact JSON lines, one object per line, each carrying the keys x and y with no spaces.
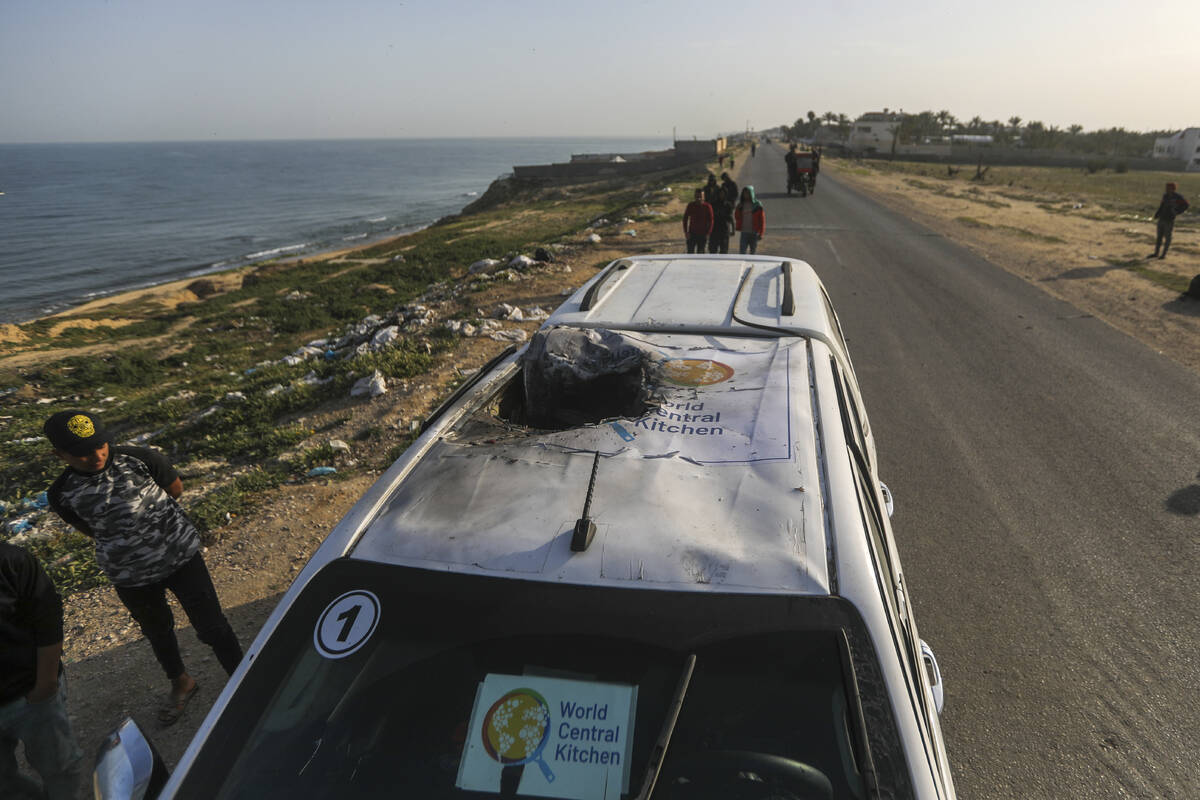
{"x":975,"y":125}
{"x":1015,"y":122}
{"x":1075,"y":130}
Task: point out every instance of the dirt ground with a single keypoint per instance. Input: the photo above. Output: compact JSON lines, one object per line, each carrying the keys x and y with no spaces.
{"x":113,"y":674}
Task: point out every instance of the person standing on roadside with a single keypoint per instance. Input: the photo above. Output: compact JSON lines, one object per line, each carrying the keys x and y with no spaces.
{"x":749,"y":218}
{"x":697,"y":223}
{"x":718,"y":240}
{"x":1172,"y":206}
{"x":731,"y":190}
{"x":711,"y":189}
{"x":124,"y":499}
{"x":33,"y":687}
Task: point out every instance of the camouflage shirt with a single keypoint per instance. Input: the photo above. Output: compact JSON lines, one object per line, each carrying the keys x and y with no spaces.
{"x":142,"y":535}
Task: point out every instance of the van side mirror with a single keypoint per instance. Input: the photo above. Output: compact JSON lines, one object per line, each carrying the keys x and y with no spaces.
{"x":128,"y":767}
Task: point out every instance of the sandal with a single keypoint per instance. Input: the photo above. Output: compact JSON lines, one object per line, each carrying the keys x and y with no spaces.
{"x":172,"y":708}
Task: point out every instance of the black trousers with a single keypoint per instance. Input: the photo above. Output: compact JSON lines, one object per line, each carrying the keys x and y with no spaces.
{"x":695,"y":242}
{"x":718,"y":243}
{"x":193,"y":588}
{"x":1163,"y":239}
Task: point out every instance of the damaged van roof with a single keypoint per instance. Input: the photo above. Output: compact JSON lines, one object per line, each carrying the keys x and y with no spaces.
{"x":716,"y":487}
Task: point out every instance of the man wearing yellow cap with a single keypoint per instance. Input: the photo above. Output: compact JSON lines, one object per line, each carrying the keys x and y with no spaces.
{"x":124,"y":499}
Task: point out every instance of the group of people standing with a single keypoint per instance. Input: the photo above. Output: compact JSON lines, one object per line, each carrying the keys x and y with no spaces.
{"x":718,"y":211}
{"x":124,"y":499}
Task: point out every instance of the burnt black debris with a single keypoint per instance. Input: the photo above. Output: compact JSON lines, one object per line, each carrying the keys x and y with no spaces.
{"x":579,"y":377}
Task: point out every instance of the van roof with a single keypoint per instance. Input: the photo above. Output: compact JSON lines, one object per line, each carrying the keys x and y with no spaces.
{"x":719,"y":488}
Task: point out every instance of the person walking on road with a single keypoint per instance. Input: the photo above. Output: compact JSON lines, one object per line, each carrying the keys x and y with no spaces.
{"x":33,"y":686}
{"x":697,"y":223}
{"x":749,"y":218}
{"x":1172,"y":206}
{"x":124,"y":499}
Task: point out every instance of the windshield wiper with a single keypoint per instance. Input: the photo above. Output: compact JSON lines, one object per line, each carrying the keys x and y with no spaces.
{"x":659,"y":753}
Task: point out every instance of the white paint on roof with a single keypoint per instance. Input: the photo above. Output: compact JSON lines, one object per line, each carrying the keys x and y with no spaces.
{"x":715,"y":490}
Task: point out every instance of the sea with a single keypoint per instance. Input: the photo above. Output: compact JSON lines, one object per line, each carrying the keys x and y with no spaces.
{"x":81,"y":221}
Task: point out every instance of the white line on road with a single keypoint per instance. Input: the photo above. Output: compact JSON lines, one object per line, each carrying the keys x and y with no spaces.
{"x":835,"y":252}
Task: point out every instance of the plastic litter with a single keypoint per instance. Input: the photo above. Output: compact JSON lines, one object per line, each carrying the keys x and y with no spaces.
{"x":384,"y":337}
{"x":22,"y":525}
{"x":521,"y":262}
{"x":594,"y":238}
{"x":339,"y":446}
{"x":372,"y":385}
{"x":483,"y":266}
{"x":317,"y":472}
{"x":514,"y":335}
{"x":38,"y":501}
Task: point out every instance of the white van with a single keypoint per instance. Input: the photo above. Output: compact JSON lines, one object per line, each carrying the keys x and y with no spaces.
{"x":647,"y":555}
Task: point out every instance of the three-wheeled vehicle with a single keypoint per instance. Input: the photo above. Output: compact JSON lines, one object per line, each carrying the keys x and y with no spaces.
{"x":801,"y":176}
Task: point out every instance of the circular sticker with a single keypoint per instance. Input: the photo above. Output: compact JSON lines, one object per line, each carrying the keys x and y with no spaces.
{"x":696,"y":371}
{"x":346,"y":624}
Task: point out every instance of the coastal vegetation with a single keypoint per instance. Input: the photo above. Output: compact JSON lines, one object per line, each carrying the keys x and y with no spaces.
{"x":243,"y":386}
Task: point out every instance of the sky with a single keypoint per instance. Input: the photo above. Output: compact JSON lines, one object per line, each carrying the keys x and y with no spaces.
{"x":156,"y":70}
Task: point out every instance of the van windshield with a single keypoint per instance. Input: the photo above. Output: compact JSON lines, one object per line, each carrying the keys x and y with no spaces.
{"x":461,"y":686}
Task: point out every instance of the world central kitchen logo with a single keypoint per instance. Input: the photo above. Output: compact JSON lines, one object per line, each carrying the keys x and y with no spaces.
{"x":519,"y":726}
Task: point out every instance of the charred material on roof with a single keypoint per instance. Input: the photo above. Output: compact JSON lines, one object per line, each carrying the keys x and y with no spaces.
{"x":576,"y":377}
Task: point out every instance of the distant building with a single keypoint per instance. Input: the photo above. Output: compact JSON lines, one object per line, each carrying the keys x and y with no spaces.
{"x":874,"y":132}
{"x":1183,"y":146}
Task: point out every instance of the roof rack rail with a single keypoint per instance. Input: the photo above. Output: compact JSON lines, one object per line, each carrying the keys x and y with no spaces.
{"x":590,"y":296}
{"x":789,"y":299}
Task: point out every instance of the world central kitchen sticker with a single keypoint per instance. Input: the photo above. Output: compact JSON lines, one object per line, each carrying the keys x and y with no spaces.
{"x":566,"y":738}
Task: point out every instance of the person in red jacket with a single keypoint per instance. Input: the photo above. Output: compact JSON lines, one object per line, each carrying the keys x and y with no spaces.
{"x":750,"y":219}
{"x":697,"y":223}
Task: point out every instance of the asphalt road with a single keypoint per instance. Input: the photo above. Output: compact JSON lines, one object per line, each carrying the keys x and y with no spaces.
{"x":1045,"y":469}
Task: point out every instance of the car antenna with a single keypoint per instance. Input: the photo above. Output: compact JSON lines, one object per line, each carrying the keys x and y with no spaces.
{"x":585,"y":529}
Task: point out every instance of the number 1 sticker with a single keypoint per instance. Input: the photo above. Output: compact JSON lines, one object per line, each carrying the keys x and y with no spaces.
{"x":346,"y":624}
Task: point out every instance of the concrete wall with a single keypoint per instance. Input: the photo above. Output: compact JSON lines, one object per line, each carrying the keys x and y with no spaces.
{"x":592,"y":166}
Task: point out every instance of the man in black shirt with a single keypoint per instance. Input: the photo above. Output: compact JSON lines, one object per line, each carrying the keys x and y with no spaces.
{"x":33,"y":689}
{"x":1172,"y":205}
{"x":124,"y":499}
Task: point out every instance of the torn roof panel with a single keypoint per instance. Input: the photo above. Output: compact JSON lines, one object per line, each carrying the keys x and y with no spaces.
{"x":716,"y":488}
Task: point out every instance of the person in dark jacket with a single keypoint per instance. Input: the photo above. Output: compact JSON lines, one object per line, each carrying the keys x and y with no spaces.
{"x":711,"y":189}
{"x":697,"y":223}
{"x":124,"y":499}
{"x":1172,"y":206}
{"x":33,"y":687}
{"x":722,"y":229}
{"x":731,"y":189}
